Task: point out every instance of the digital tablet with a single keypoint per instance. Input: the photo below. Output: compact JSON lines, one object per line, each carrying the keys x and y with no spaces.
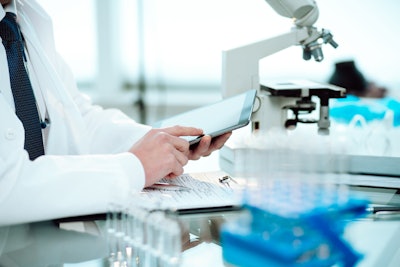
{"x":215,"y":119}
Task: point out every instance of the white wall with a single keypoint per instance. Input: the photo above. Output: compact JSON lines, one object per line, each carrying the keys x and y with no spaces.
{"x":184,"y":38}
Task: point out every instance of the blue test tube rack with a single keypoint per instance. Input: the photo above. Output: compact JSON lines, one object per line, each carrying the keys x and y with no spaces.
{"x":279,"y":229}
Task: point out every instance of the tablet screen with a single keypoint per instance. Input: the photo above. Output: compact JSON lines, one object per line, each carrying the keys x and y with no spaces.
{"x":215,"y":119}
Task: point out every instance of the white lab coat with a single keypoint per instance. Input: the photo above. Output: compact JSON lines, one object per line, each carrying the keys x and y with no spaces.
{"x":86,"y":166}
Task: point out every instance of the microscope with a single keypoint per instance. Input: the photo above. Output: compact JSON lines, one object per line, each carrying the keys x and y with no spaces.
{"x":283,"y":104}
{"x":279,"y":106}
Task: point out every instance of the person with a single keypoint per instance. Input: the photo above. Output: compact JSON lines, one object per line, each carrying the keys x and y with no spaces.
{"x":365,"y":99}
{"x":347,"y":75}
{"x":92,"y":156}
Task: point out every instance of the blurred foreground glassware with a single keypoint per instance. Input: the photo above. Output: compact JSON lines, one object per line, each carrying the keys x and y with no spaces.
{"x":142,"y":237}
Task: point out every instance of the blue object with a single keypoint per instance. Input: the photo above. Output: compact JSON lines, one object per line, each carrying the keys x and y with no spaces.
{"x":344,"y":109}
{"x":281,"y":229}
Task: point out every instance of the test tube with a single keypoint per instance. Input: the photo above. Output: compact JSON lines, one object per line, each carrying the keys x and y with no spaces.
{"x":154,"y":234}
{"x":113,"y":232}
{"x":139,"y":238}
{"x":172,"y":244}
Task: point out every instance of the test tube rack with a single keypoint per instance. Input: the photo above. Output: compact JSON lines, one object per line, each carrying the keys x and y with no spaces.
{"x":293,"y":225}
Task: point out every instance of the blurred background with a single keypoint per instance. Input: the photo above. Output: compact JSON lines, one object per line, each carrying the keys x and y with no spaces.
{"x":156,"y":58}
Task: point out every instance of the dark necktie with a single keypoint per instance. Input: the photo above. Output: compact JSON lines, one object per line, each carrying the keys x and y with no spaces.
{"x":24,"y":99}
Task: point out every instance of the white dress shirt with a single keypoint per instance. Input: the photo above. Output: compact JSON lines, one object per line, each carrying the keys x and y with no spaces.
{"x":86,"y":166}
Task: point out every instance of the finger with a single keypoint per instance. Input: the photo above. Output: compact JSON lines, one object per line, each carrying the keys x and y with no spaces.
{"x":176,"y":161}
{"x":207,"y":145}
{"x":176,"y":142}
{"x":171,"y":176}
{"x":175,"y":173}
{"x":181,"y":158}
{"x":219,"y":141}
{"x":183,"y":131}
{"x":180,"y":144}
{"x":202,"y":148}
{"x":173,"y":166}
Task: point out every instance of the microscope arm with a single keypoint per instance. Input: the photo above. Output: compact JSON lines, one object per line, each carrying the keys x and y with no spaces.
{"x":240,"y":65}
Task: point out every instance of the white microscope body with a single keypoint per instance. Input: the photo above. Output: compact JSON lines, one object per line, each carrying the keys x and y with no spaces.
{"x":240,"y":71}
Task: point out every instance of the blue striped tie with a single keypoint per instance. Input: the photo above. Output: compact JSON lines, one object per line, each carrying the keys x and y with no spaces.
{"x":24,"y":99}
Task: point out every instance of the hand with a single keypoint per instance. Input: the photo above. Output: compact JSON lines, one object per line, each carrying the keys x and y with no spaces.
{"x":163,"y":153}
{"x":207,"y":145}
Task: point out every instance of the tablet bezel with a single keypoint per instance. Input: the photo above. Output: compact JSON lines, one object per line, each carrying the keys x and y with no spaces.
{"x":244,"y":119}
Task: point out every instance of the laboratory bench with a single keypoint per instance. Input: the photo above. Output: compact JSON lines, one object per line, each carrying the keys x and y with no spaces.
{"x":85,"y":241}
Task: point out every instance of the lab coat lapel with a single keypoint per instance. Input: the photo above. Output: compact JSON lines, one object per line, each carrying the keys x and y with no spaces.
{"x":67,"y":128}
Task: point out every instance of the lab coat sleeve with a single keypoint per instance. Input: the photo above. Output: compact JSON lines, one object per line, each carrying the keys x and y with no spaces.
{"x":54,"y":187}
{"x":109,"y":130}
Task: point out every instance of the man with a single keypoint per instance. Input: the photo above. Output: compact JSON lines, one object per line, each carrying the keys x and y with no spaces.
{"x":92,"y":157}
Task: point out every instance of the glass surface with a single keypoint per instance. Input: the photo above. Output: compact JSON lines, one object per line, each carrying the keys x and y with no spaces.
{"x":84,"y":244}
